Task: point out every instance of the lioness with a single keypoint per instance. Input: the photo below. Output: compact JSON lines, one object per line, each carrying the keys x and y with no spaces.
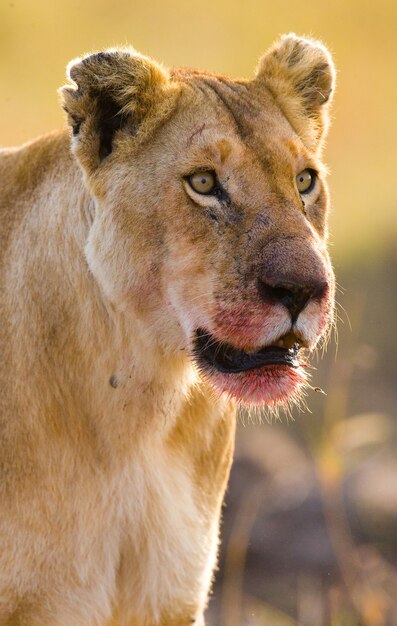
{"x":163,"y":264}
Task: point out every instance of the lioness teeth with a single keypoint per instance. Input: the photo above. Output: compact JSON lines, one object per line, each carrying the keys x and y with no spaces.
{"x":289,"y":340}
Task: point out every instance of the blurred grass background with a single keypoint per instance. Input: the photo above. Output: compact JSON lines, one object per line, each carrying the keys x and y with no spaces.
{"x":310,"y":525}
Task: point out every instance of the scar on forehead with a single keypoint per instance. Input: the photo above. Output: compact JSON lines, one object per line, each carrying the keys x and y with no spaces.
{"x":223,"y":145}
{"x":198,"y":131}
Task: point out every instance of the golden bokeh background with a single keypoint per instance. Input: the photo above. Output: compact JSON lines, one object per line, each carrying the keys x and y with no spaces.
{"x":310,"y":528}
{"x":39,"y":37}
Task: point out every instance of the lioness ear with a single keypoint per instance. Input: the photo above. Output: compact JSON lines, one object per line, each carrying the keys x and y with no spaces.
{"x":301,"y":76}
{"x":112,"y":90}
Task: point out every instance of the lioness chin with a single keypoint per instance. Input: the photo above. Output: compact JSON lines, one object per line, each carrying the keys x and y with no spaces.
{"x":160,"y":264}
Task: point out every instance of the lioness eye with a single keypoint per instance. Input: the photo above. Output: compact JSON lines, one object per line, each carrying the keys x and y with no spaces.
{"x":305,"y":181}
{"x":202,"y":182}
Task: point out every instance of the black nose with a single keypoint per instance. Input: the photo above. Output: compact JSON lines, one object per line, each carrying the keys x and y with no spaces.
{"x":294,"y":296}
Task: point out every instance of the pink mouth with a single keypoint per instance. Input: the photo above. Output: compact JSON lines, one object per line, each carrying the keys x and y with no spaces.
{"x":271,"y":375}
{"x":271,"y":384}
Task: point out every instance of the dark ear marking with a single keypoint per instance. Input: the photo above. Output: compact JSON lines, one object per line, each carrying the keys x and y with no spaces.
{"x":76,"y":124}
{"x":109,"y":120}
{"x":109,"y":117}
{"x":316,"y":87}
{"x":113,"y":91}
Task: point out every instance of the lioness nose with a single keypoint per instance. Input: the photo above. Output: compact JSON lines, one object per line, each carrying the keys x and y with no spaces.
{"x":294,"y":296}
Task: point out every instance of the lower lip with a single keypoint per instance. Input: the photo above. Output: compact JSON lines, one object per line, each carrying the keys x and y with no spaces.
{"x":272,"y":385}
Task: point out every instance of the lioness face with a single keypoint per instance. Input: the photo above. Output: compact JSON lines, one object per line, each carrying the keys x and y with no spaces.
{"x":246,"y":271}
{"x":211,"y":214}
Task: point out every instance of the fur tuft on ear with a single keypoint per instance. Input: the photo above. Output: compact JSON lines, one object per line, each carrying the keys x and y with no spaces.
{"x":300,"y":75}
{"x":112,"y":90}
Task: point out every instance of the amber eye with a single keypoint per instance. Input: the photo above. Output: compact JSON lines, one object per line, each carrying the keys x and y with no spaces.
{"x":305,"y":181}
{"x":202,"y":182}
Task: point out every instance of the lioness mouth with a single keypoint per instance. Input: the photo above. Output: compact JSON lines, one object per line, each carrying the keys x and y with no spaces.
{"x":228,"y":360}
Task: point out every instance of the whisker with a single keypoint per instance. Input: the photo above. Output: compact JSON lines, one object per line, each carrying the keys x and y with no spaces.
{"x":340,"y":288}
{"x":338,"y":304}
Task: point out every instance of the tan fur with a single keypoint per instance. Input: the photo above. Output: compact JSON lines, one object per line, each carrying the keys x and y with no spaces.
{"x":114,"y":449}
{"x":300,"y":75}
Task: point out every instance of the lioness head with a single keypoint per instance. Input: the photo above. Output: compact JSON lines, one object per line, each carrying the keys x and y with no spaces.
{"x":211,"y":207}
